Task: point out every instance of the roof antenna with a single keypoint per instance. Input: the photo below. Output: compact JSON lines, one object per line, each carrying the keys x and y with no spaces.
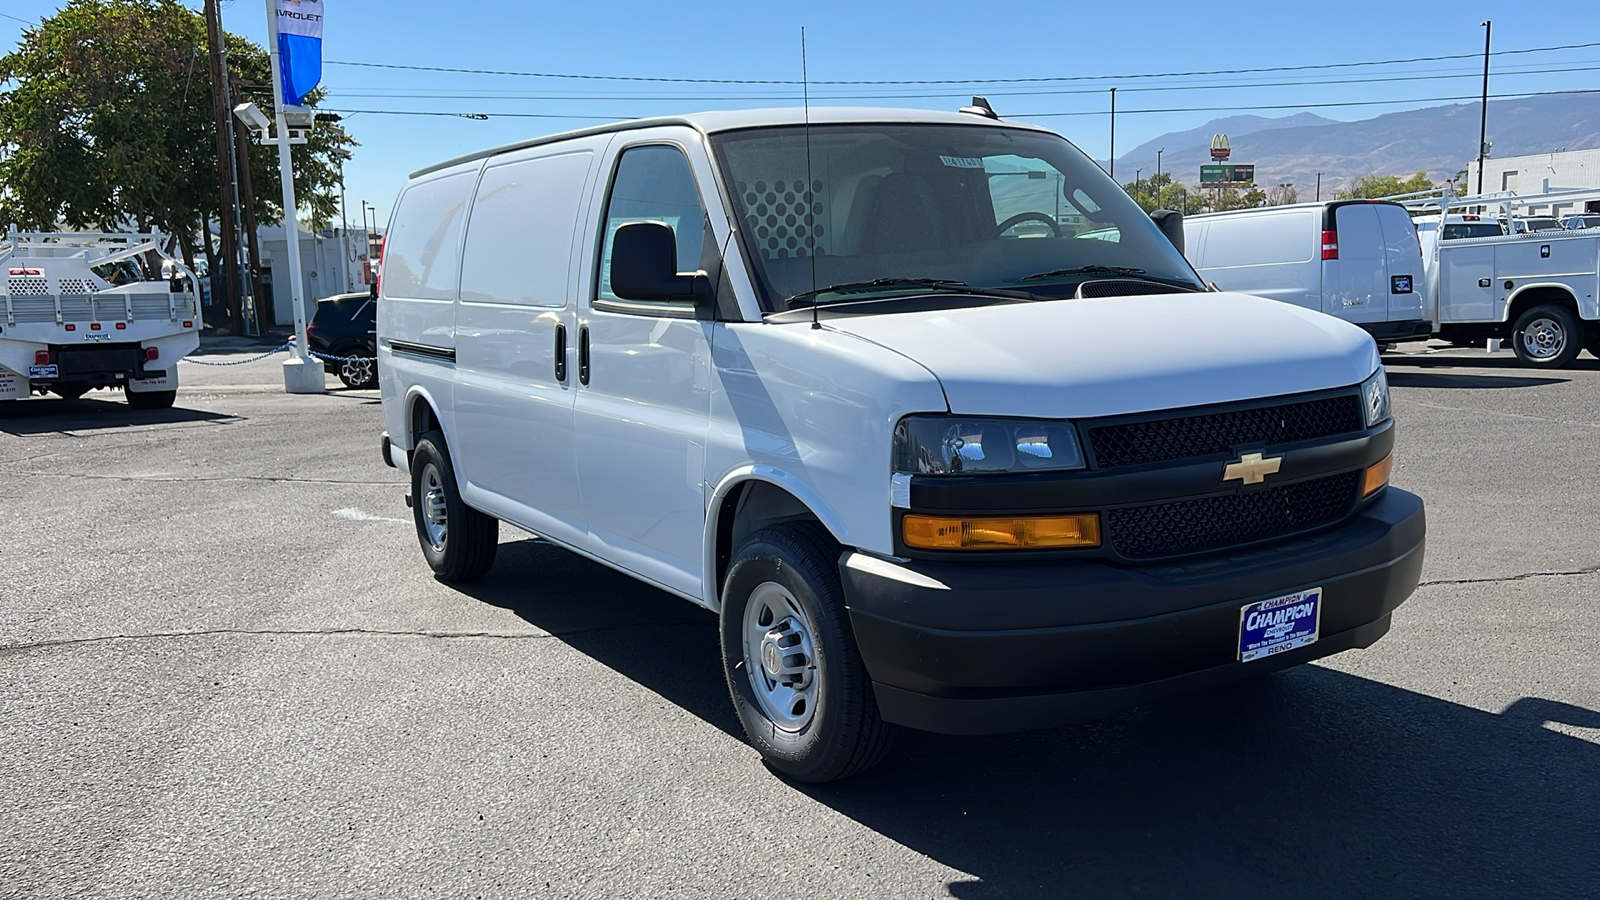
{"x":806,"y":195}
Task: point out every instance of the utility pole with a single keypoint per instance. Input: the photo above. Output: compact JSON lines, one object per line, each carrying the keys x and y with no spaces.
{"x":1113,"y":134}
{"x":1319,"y":187}
{"x":1158,"y":175}
{"x":1137,"y":194}
{"x":252,"y":236}
{"x":228,"y":223}
{"x":1483,"y":122}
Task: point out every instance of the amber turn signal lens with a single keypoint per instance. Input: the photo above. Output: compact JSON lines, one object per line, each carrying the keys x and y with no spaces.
{"x":1377,"y":475}
{"x":1036,"y":533}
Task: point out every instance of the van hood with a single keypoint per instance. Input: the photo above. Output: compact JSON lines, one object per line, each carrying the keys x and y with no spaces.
{"x":1115,"y":356}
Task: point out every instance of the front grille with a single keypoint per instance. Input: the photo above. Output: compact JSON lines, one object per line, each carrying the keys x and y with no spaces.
{"x":1137,"y":443}
{"x":1209,"y":523}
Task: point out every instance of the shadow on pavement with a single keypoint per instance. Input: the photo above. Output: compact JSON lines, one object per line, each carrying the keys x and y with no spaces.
{"x":1306,"y":783}
{"x":46,"y":415}
{"x":1503,"y":360}
{"x":1469,"y":382}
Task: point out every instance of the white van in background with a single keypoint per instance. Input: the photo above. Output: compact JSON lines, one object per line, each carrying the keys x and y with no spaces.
{"x":1358,"y":260}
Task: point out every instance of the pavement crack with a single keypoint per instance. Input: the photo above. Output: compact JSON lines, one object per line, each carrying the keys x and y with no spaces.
{"x":329,"y":632}
{"x":188,"y":479}
{"x":1590,"y":570}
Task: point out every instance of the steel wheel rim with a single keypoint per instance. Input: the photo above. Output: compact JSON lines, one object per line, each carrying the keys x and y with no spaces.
{"x":1544,"y":338}
{"x":780,"y":657}
{"x":434,"y":520}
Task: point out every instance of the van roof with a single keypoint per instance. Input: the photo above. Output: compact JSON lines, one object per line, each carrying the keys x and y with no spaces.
{"x":1315,"y":204}
{"x":730,"y":120}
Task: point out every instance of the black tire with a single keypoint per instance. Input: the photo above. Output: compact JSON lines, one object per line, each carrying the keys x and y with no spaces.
{"x":842,"y":733}
{"x":1592,"y":341}
{"x":357,"y":376}
{"x":150,"y":399}
{"x":71,"y":390}
{"x":466,"y":539}
{"x":1547,"y":337}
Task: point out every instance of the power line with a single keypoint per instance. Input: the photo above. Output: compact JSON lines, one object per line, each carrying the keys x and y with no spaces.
{"x":517,"y":95}
{"x":1042,"y":115}
{"x":1305,"y":68}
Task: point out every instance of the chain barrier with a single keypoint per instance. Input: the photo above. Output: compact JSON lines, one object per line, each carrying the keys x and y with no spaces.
{"x":287,"y":346}
{"x":238,"y":362}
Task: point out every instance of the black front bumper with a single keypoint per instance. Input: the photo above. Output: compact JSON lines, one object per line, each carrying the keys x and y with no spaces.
{"x":978,"y":647}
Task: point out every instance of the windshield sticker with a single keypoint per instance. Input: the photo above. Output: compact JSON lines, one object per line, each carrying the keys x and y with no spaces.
{"x":962,"y":162}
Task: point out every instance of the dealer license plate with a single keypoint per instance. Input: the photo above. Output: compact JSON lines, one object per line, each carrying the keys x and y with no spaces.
{"x":44,"y":372}
{"x":1270,"y":627}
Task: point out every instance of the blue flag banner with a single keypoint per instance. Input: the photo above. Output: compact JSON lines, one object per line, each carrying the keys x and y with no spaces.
{"x":299,"y":48}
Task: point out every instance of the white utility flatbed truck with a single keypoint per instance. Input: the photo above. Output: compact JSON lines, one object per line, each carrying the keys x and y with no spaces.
{"x":67,"y":330}
{"x":1539,"y":291}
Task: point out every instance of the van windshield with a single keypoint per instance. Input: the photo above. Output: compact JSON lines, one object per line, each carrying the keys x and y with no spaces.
{"x":917,"y":208}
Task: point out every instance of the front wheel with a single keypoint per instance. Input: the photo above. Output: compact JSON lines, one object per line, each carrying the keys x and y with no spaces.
{"x":790,"y":658}
{"x":150,"y":399}
{"x":1547,"y":336}
{"x":458,"y":542}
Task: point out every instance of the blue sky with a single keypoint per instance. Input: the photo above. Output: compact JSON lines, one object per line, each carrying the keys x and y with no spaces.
{"x":872,"y":40}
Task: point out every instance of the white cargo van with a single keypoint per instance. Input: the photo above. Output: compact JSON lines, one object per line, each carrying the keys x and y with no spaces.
{"x":928,"y":470}
{"x":1358,"y":260}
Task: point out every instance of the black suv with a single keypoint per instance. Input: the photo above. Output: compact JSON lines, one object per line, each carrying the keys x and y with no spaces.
{"x":346,"y":325}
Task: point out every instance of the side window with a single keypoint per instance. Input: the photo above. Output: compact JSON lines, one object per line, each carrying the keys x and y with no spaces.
{"x":422,"y":250}
{"x":519,"y":239}
{"x":654,"y":184}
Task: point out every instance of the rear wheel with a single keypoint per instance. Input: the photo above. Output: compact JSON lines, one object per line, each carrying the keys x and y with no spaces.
{"x":458,"y":542}
{"x":790,"y":658}
{"x":360,"y":368}
{"x":1547,"y":336}
{"x":150,"y":399}
{"x":1592,"y":341}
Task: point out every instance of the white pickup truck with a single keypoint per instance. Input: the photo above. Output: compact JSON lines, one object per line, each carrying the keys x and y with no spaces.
{"x":1537,"y":290}
{"x":67,"y":329}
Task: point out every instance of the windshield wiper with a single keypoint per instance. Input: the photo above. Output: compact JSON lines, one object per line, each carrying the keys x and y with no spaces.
{"x":948,"y":285}
{"x":1084,"y":270}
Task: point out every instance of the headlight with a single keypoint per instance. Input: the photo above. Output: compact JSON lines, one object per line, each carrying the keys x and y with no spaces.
{"x":945,"y":445}
{"x":1375,"y":398}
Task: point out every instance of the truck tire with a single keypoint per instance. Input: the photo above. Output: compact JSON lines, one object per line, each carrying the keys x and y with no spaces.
{"x":458,"y":542}
{"x":1547,"y":336}
{"x":1592,"y":338}
{"x":150,"y":399}
{"x":793,"y":670}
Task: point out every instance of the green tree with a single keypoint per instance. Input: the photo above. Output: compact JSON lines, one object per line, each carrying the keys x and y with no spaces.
{"x":1373,"y":186}
{"x":106,"y":122}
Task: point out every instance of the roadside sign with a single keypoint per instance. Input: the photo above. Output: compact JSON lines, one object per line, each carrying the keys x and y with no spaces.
{"x":1224,"y":173}
{"x":1220,"y":149}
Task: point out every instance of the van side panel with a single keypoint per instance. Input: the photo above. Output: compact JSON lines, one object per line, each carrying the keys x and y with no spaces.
{"x":1270,"y":254}
{"x":416,"y":311}
{"x":513,"y":446}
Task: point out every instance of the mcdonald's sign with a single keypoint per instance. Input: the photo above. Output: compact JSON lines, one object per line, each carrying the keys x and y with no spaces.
{"x":1219,"y":147}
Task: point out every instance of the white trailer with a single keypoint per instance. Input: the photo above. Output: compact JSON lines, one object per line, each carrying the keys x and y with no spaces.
{"x":1539,"y":291}
{"x":68,"y":329}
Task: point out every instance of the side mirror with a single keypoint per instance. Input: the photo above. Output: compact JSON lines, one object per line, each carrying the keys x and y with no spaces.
{"x":644,"y":266}
{"x":1171,"y":224}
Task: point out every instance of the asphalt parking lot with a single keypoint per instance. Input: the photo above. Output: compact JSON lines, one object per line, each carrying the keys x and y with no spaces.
{"x":225,"y":671}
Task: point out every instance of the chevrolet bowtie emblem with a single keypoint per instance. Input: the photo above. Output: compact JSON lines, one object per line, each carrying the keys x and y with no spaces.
{"x":1252,"y":468}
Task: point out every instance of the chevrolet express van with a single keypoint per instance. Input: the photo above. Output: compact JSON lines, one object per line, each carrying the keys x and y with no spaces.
{"x":942,"y":427}
{"x":1358,"y":260}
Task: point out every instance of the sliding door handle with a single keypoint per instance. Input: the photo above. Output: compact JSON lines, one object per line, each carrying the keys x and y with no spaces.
{"x":583,"y":354}
{"x":561,"y":353}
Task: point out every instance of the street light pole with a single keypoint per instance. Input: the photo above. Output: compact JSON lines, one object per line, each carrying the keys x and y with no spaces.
{"x":1483,"y":121}
{"x":1113,"y":133}
{"x":1319,"y":187}
{"x":301,"y":375}
{"x":1158,"y":173}
{"x":1137,"y":194}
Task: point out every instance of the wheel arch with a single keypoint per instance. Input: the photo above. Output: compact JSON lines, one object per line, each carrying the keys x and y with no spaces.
{"x":1540,"y":293}
{"x":751,"y":498}
{"x":422,"y":416}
